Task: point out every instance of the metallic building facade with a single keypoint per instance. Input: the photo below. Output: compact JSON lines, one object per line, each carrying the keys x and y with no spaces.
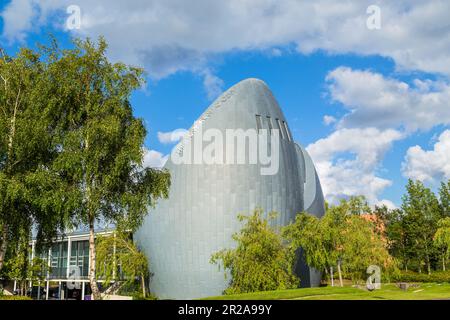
{"x":181,"y":233}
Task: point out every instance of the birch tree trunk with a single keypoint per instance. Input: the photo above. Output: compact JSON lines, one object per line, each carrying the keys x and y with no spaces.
{"x":143,"y":285}
{"x":9,"y":165}
{"x":92,"y":261}
{"x":443,"y":263}
{"x":332,"y":276}
{"x":340,"y":273}
{"x":427,"y":256}
{"x":4,"y":244}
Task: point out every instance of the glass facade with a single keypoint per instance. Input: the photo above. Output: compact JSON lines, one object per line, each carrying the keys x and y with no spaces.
{"x":79,"y":256}
{"x":69,"y":269}
{"x":58,"y":260}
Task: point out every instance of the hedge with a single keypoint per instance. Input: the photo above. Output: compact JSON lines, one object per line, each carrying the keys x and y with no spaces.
{"x":410,"y":276}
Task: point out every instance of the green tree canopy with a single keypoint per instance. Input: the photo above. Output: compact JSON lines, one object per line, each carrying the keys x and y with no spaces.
{"x":20,"y":265}
{"x":260,"y":261}
{"x":118,"y":258}
{"x":442,"y":239}
{"x":341,"y":238}
{"x":421,"y":214}
{"x":444,"y":198}
{"x":307,"y":232}
{"x":28,"y":144}
{"x":101,"y":146}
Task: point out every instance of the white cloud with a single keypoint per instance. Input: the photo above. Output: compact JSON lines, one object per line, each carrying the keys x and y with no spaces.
{"x":369,"y":144}
{"x":327,"y":120}
{"x":396,"y":109}
{"x":176,"y":35}
{"x":171,"y":136}
{"x":347,"y":161}
{"x":432,"y":165}
{"x":17,"y":19}
{"x":167,"y":36}
{"x":388,"y":203}
{"x":374,"y":100}
{"x":212,"y":84}
{"x":154,"y":159}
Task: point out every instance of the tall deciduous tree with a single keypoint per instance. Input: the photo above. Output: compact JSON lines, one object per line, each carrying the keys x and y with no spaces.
{"x":422,"y":212}
{"x":336,"y":237}
{"x":442,"y":240}
{"x":356,"y":205}
{"x":101,"y":150}
{"x":120,"y":259}
{"x":363,"y":246}
{"x":444,"y":198}
{"x":21,"y":266}
{"x":399,"y":244}
{"x":27,"y":145}
{"x":341,"y":238}
{"x":307,"y":233}
{"x":261,"y":261}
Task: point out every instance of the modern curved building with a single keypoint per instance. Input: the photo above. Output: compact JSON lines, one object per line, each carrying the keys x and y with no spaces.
{"x":199,"y":217}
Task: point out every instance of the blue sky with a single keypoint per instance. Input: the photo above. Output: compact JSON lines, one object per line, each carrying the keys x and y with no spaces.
{"x":370,"y":104}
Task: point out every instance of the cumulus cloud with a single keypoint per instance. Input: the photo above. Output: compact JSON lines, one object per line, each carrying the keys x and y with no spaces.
{"x":17,"y":19}
{"x":327,"y":120}
{"x":374,"y":100}
{"x":154,"y":159}
{"x":171,"y":136}
{"x":212,"y":84}
{"x":388,"y":203}
{"x":347,"y":161}
{"x":175,"y":35}
{"x":172,"y":35}
{"x":368,"y":144}
{"x":429,"y":165}
{"x":396,"y":109}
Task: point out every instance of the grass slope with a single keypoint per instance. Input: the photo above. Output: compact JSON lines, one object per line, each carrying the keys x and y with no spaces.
{"x":424,"y":291}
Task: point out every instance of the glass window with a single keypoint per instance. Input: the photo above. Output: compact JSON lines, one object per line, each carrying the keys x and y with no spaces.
{"x":269,"y":123}
{"x":279,"y":128}
{"x":287,"y":131}
{"x":258,"y":123}
{"x":58,"y":260}
{"x":79,"y":256}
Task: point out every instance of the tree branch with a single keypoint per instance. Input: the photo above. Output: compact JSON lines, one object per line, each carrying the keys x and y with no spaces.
{"x":13,"y":126}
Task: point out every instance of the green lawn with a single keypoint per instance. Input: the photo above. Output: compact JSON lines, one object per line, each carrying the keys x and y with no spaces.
{"x":424,"y":291}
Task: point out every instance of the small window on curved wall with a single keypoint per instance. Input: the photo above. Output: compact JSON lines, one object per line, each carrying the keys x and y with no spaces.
{"x":269,"y":123}
{"x":258,"y":123}
{"x":286,"y":131}
{"x":279,"y":128}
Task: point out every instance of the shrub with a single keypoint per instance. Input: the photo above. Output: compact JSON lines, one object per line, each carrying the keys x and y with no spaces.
{"x":410,"y":276}
{"x":139,"y":296}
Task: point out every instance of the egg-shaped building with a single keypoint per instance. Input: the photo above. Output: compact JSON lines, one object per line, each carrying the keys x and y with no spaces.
{"x":199,"y":217}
